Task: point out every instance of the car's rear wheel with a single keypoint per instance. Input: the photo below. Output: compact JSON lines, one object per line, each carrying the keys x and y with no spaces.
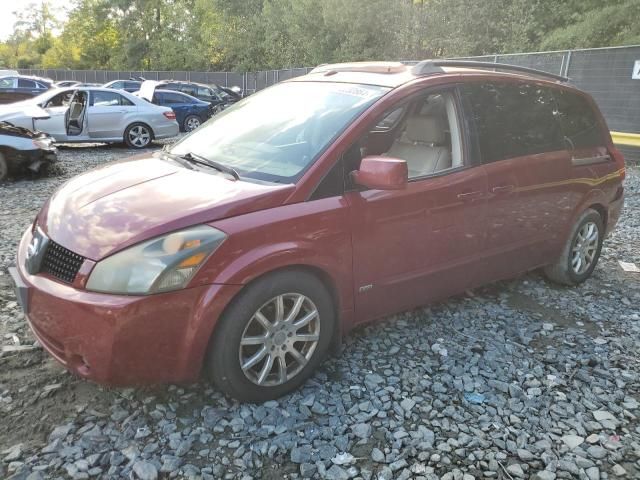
{"x":4,"y":167}
{"x":138,"y":135}
{"x":272,"y":336}
{"x":191,"y":123}
{"x":580,"y":254}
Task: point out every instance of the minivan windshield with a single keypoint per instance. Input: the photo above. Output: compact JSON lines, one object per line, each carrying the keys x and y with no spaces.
{"x":276,"y":134}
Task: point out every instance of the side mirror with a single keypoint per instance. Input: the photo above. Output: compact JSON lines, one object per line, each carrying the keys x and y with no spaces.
{"x":381,"y":173}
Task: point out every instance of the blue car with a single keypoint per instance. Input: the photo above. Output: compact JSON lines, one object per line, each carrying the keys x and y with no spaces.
{"x":190,"y":112}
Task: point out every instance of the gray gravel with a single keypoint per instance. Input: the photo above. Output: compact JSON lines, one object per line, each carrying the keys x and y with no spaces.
{"x":521,"y":379}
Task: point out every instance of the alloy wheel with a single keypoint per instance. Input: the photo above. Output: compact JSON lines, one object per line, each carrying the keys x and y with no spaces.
{"x":139,"y":136}
{"x":584,"y":248}
{"x":192,"y":123}
{"x":279,"y":339}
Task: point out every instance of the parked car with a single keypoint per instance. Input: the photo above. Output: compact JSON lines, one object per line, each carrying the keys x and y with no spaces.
{"x":217,"y":96}
{"x":93,"y":114}
{"x":22,"y":149}
{"x":251,"y":246}
{"x":67,"y":83}
{"x":14,"y":88}
{"x":126,"y":85}
{"x":190,"y":112}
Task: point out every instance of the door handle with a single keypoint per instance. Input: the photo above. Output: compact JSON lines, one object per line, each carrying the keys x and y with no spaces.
{"x":503,"y":189}
{"x":469,"y":196}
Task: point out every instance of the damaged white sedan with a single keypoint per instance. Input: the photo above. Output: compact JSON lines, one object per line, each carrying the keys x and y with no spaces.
{"x":93,"y":115}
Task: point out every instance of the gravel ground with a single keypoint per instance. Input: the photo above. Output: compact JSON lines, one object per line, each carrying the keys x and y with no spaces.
{"x":520,"y":379}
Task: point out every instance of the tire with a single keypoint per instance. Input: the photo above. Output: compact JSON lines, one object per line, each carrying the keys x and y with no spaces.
{"x":4,"y":168}
{"x":191,"y":123}
{"x":576,"y":263}
{"x":240,"y":321}
{"x":138,"y":135}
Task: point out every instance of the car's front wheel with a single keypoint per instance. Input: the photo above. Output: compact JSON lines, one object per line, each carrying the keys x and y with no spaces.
{"x":191,"y":123}
{"x":138,"y":135}
{"x":580,"y":254}
{"x":272,"y":336}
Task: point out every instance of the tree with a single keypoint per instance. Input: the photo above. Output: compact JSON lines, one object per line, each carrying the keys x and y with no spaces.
{"x":247,"y":35}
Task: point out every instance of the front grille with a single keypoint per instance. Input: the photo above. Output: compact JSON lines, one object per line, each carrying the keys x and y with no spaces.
{"x":61,"y":263}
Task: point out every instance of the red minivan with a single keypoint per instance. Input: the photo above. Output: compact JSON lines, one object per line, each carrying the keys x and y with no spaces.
{"x":248,"y":248}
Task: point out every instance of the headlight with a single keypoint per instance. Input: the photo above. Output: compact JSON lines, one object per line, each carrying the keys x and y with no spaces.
{"x":158,"y":265}
{"x":44,"y":143}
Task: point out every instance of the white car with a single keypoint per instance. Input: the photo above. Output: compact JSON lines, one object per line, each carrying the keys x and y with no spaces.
{"x":93,"y":114}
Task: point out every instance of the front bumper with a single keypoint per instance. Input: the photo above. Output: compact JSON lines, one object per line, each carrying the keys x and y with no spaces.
{"x":120,"y":339}
{"x":32,"y":159}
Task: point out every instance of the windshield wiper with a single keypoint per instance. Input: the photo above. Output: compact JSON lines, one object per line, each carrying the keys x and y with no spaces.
{"x":177,"y":158}
{"x":200,"y":160}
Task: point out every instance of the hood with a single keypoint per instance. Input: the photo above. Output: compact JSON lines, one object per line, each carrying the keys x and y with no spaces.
{"x":21,"y":104}
{"x":23,"y":115}
{"x":147,"y":88}
{"x":113,"y":207}
{"x":7,"y":128}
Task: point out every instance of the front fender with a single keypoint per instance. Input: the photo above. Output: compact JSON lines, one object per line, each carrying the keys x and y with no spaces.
{"x":254,"y":263}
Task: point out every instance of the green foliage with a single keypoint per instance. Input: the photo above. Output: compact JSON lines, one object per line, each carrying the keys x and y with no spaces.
{"x":269,"y":34}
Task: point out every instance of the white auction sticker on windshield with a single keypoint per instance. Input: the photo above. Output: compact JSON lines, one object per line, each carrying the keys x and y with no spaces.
{"x":356,"y":92}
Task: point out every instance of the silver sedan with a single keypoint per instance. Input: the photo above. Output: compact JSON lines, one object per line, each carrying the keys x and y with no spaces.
{"x":93,"y":114}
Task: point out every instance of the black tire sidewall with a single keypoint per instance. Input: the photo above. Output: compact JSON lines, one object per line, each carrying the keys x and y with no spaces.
{"x":223,"y":364}
{"x":4,"y":168}
{"x":133,"y":125}
{"x":589,"y":216}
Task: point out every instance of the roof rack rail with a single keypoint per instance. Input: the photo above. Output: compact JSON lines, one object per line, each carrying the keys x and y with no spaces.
{"x":370,"y":67}
{"x":427,"y":67}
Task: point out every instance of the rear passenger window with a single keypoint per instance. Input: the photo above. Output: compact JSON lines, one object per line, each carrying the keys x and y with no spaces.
{"x":173,"y":98}
{"x":578,"y":120}
{"x":108,"y":99}
{"x":512,"y":120}
{"x":22,"y":83}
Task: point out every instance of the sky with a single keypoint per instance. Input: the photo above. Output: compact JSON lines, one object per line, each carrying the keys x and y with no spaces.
{"x":9,"y":7}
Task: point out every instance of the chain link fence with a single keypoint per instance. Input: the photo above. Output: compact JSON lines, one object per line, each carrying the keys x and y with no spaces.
{"x":606,"y":73}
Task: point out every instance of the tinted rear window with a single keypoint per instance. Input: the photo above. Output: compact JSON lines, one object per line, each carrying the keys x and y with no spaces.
{"x":512,"y":119}
{"x":22,"y":83}
{"x":578,"y":120}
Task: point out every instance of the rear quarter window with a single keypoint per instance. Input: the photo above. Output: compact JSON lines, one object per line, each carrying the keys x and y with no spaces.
{"x":578,"y":120}
{"x":512,"y":119}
